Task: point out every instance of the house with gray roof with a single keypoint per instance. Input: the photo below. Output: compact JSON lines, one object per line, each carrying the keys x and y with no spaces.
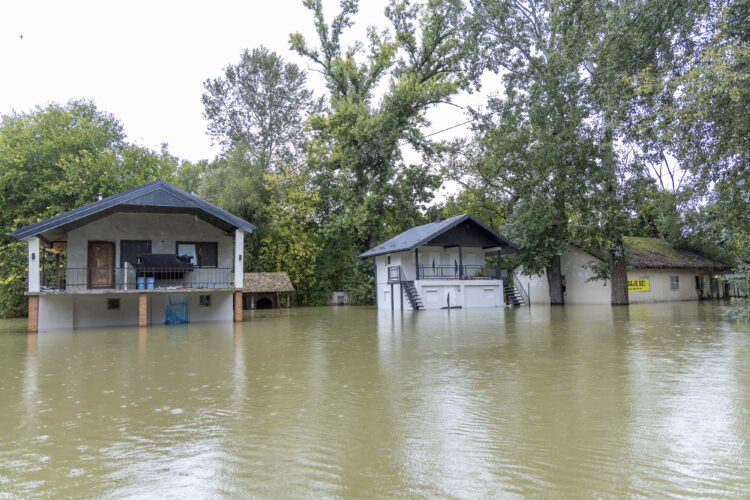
{"x":153,"y":254}
{"x":442,"y":265}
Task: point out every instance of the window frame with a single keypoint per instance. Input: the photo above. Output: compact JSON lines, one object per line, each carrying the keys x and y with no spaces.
{"x":198,"y":256}
{"x":674,"y":283}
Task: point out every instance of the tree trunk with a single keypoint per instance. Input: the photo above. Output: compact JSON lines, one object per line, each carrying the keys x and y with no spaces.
{"x":618,"y":273}
{"x":554,"y":280}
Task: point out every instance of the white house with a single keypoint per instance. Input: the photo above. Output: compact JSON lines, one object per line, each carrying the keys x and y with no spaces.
{"x":440,"y":265}
{"x":657,"y":272}
{"x":152,"y":254}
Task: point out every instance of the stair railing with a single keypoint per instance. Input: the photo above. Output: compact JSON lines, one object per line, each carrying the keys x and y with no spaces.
{"x":521,"y":289}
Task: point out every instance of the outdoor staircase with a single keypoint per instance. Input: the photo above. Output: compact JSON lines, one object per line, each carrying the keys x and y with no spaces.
{"x":411,"y":293}
{"x":511,"y":294}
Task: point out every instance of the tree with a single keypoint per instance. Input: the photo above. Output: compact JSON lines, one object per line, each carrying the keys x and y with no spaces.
{"x":262,"y":105}
{"x":55,"y":159}
{"x":534,"y":148}
{"x":293,"y":242}
{"x":356,"y":157}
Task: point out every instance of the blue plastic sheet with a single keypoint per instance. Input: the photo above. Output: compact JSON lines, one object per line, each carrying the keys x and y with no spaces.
{"x":177,"y":310}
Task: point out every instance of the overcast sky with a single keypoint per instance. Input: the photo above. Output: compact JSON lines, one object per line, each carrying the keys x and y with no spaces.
{"x":146,"y":61}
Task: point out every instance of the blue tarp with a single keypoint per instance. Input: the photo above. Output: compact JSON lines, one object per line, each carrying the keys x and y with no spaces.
{"x":177,"y":310}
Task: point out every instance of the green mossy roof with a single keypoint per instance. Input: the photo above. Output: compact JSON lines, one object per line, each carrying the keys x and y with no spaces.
{"x":655,"y":253}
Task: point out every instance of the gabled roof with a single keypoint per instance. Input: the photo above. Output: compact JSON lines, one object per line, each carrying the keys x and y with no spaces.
{"x":155,"y":196}
{"x":266,"y":283}
{"x":421,"y":235}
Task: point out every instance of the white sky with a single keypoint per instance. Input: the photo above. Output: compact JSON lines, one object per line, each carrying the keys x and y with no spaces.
{"x":145,"y":61}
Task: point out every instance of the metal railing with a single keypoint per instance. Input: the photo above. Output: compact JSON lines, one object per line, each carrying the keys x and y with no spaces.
{"x":128,"y":278}
{"x":396,"y":274}
{"x":521,"y":290}
{"x":458,"y":272}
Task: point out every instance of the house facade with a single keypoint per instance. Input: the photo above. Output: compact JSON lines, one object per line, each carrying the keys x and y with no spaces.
{"x":657,"y":272}
{"x":442,"y":265}
{"x":154,"y":254}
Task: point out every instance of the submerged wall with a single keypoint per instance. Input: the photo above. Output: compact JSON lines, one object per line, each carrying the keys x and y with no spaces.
{"x":67,"y":312}
{"x":436,"y":293}
{"x":578,"y":291}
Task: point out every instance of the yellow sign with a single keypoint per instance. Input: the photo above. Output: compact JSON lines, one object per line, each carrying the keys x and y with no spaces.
{"x":638,"y":286}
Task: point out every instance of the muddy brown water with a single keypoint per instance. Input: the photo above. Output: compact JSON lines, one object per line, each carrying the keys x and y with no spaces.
{"x":645,"y":401}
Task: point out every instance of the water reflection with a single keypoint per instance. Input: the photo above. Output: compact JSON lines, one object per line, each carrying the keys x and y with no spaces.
{"x":650,"y":400}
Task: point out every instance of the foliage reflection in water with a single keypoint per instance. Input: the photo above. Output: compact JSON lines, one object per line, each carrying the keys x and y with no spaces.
{"x":575,"y":401}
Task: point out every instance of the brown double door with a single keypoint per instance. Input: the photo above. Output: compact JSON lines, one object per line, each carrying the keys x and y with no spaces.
{"x":101,"y":264}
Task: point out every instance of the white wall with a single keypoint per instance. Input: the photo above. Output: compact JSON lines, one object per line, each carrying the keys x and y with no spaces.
{"x":434,"y":293}
{"x":164,"y":230}
{"x":659,"y":285}
{"x":56,"y":312}
{"x":468,"y":294}
{"x":599,"y":292}
{"x":221,"y":308}
{"x":66,"y":312}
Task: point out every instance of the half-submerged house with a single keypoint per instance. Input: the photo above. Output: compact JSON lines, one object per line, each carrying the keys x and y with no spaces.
{"x":442,"y":264}
{"x":657,"y":272}
{"x":154,"y":254}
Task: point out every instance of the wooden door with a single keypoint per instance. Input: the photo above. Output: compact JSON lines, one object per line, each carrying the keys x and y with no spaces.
{"x":101,"y":264}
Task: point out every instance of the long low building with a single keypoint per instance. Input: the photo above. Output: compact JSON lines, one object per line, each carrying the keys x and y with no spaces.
{"x":657,"y":272}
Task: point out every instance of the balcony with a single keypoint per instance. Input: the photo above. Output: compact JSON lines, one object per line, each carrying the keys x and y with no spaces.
{"x":455,"y":272}
{"x":128,"y":278}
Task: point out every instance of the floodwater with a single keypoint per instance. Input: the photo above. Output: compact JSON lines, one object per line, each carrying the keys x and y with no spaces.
{"x":650,"y":400}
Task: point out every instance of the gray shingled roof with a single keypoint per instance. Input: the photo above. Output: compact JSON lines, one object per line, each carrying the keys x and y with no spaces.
{"x":420,"y":235}
{"x":158,"y":195}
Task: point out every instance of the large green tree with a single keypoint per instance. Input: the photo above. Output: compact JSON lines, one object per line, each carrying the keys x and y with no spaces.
{"x":57,"y":158}
{"x":261,"y":105}
{"x":379,"y":92}
{"x":535,"y":147}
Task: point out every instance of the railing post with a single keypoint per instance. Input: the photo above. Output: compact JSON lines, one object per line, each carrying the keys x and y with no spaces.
{"x":499,"y":268}
{"x":460,"y":263}
{"x":416,"y":260}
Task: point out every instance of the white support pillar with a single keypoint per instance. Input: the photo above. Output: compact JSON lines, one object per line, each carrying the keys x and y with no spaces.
{"x":239,"y":250}
{"x":33,"y":264}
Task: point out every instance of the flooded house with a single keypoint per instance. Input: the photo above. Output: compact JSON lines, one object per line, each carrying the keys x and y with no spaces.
{"x":657,"y":272}
{"x":154,"y":254}
{"x":454,"y":262}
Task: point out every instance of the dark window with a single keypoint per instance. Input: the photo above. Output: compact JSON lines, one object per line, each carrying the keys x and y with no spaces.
{"x":389,"y":260}
{"x":130,"y":249}
{"x":674,"y":283}
{"x":205,"y":300}
{"x":203,"y":254}
{"x":113,"y":304}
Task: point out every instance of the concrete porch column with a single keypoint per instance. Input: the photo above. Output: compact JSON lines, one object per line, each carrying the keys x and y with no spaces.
{"x":142,"y":310}
{"x":33,"y":325}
